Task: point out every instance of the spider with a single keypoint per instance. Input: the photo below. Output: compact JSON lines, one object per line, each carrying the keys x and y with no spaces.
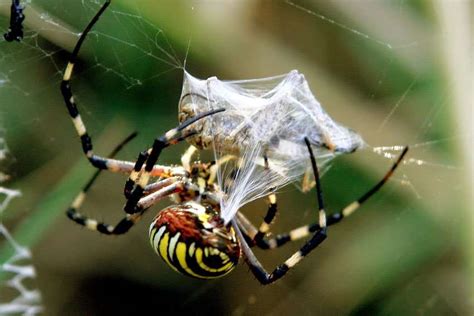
{"x":190,"y":235}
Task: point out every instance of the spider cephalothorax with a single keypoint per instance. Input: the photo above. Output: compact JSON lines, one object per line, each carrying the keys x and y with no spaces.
{"x":193,"y":240}
{"x":200,"y":184}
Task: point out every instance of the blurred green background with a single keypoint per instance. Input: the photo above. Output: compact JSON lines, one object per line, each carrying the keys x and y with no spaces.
{"x":388,"y":69}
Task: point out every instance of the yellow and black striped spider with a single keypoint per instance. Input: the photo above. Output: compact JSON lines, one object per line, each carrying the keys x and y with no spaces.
{"x":191,"y":236}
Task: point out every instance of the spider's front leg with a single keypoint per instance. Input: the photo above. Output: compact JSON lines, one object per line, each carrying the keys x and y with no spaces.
{"x":138,"y":179}
{"x":98,"y":162}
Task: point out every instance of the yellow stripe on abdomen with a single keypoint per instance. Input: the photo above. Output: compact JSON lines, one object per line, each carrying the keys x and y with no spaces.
{"x":199,"y":259}
{"x":163,"y":249}
{"x":181,"y":255}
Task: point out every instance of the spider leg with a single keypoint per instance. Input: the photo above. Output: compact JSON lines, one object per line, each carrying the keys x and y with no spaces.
{"x":304,"y":231}
{"x":187,"y":156}
{"x":86,"y":141}
{"x":169,"y":186}
{"x":139,"y":178}
{"x":349,"y":209}
{"x":120,"y":228}
{"x":77,"y":203}
{"x":257,"y":237}
{"x":271,"y":213}
{"x":96,"y":161}
{"x":155,"y":192}
{"x":256,"y":267}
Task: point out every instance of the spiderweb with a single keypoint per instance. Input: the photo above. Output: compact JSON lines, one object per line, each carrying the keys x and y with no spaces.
{"x":18,"y":269}
{"x":135,"y":48}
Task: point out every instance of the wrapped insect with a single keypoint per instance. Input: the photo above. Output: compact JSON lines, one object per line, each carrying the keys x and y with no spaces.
{"x":275,"y":111}
{"x":264,"y":120}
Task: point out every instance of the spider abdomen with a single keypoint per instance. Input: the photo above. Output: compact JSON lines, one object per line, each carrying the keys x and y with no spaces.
{"x":193,"y":242}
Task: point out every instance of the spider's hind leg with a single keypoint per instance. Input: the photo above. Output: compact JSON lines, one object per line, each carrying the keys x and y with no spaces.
{"x":258,"y":236}
{"x":256,"y":267}
{"x":304,"y":231}
{"x":335,"y":218}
